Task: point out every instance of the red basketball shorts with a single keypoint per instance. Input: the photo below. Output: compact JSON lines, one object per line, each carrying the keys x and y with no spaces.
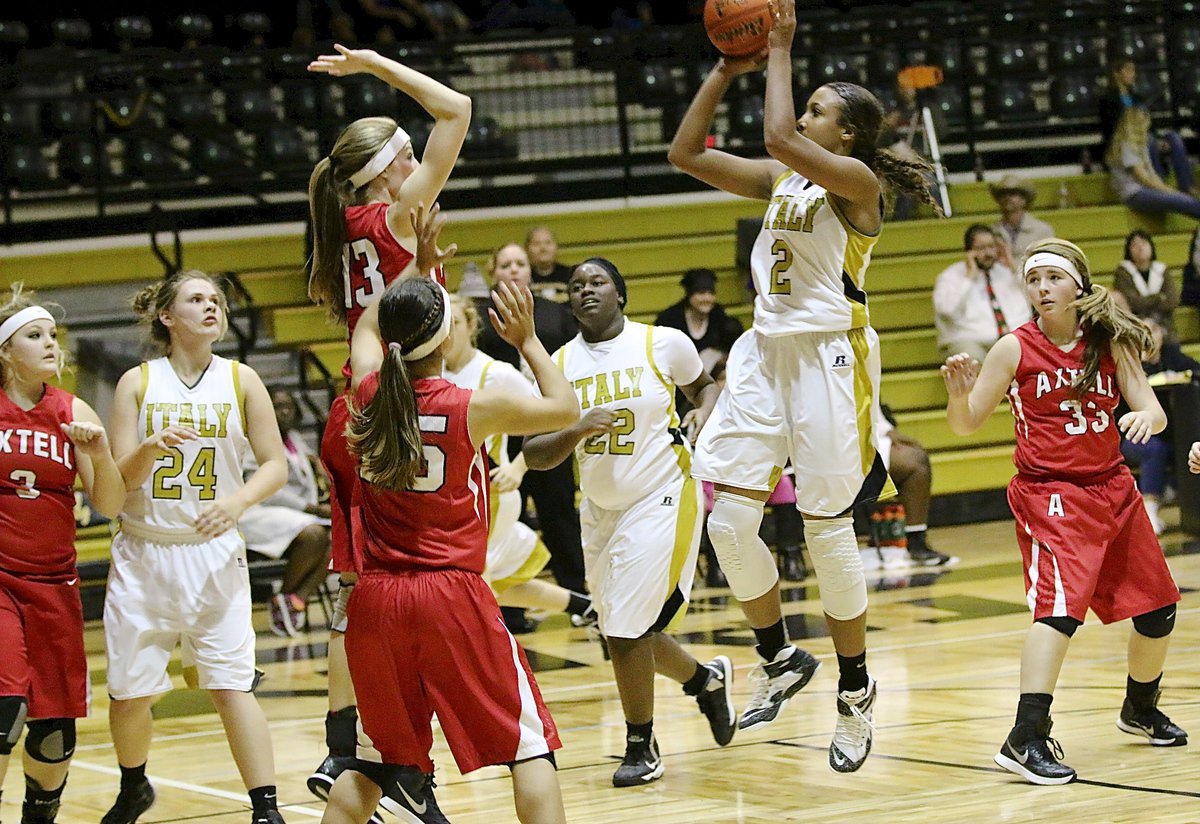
{"x":1089,"y":545}
{"x":41,"y":646}
{"x":343,"y":474}
{"x":434,"y":642}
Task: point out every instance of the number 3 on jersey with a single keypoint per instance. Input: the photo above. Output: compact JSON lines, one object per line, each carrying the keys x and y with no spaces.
{"x":361,"y":250}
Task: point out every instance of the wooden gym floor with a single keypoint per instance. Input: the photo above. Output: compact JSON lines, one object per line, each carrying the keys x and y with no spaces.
{"x":945,"y":649}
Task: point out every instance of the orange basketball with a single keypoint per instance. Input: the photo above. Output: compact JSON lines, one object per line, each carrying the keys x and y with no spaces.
{"x":738,"y":28}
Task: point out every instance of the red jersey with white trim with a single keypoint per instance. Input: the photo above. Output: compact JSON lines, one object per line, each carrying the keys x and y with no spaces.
{"x":371,"y":259}
{"x":1058,"y":436}
{"x":442,"y":522}
{"x":37,"y":487}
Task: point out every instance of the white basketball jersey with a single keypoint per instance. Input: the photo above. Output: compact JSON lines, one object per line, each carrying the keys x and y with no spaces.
{"x":188,"y":478}
{"x":809,"y":264}
{"x":634,"y":375}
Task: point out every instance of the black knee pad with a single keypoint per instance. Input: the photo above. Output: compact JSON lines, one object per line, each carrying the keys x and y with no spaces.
{"x":1156,"y":624}
{"x":51,"y":740}
{"x":1063,"y":623}
{"x":13,"y":709}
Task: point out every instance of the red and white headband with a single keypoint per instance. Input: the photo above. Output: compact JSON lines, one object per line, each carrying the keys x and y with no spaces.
{"x":382,"y":159}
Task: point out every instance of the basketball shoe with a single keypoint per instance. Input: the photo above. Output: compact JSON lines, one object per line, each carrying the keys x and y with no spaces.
{"x":1152,"y":723}
{"x":130,"y":804}
{"x":321,"y":781}
{"x":409,"y":797}
{"x":716,"y":703}
{"x":641,"y":764}
{"x":1031,"y":753}
{"x":774,"y":683}
{"x":855,"y":729}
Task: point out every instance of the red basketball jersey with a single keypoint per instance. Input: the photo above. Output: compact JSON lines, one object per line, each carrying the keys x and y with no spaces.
{"x":371,"y":259}
{"x":37,"y":487}
{"x":442,"y":522}
{"x":1059,"y":437}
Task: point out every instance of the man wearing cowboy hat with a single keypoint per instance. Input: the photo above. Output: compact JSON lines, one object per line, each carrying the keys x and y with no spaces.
{"x":1017,"y":228}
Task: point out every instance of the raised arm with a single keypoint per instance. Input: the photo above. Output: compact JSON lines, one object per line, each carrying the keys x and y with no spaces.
{"x":98,"y":471}
{"x":490,"y":411}
{"x":846,"y":177}
{"x":1145,"y":416}
{"x":690,"y":153}
{"x":975,"y":392}
{"x":450,"y":110}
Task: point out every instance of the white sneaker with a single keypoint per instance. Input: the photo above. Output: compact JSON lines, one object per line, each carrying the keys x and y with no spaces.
{"x":872,"y":560}
{"x":895,"y":557}
{"x":855,"y":729}
{"x":774,"y":683}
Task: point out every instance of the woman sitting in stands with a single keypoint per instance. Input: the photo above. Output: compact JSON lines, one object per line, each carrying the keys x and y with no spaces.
{"x":1132,"y":173}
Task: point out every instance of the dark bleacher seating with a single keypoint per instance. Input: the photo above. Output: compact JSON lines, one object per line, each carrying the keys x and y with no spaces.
{"x":251,"y":107}
{"x":883,"y":64}
{"x":1134,"y":43}
{"x":25,"y":164}
{"x":72,"y":32}
{"x":829,"y":67}
{"x":282,"y":147}
{"x":1186,"y":43}
{"x":1073,"y":52}
{"x":193,"y":29}
{"x":1011,"y":57}
{"x":71,"y":115}
{"x":79,"y":160}
{"x":148,"y":159}
{"x":746,"y":119}
{"x":653,"y":84}
{"x":1074,"y":95}
{"x":367,"y":97}
{"x":132,"y":31}
{"x":191,"y":108}
{"x":487,"y":141}
{"x":21,"y":118}
{"x":1011,"y":100}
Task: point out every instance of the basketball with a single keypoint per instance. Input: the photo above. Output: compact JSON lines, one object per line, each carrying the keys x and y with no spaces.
{"x":738,"y":28}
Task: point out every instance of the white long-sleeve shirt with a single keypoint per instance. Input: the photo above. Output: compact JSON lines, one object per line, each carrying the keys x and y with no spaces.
{"x":963,"y":312}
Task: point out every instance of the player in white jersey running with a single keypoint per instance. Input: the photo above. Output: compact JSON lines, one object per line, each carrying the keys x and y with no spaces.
{"x":803,"y":381}
{"x":515,"y":553}
{"x":180,"y":427}
{"x":642,"y":511}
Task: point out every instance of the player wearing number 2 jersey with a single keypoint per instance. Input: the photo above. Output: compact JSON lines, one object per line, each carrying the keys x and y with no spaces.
{"x":47,"y":439}
{"x":424,"y":632}
{"x":180,"y":427}
{"x":1085,"y":538}
{"x":360,"y":198}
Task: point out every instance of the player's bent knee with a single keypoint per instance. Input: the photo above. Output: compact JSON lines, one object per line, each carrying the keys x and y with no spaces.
{"x":833,"y":548}
{"x":1063,"y":623}
{"x":51,"y":740}
{"x":1157,"y":624}
{"x":13,"y":711}
{"x":744,"y":558}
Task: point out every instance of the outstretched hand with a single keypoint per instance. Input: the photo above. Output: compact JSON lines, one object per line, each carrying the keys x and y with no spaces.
{"x":1194,"y":458}
{"x":959,"y":373}
{"x":346,"y":62}
{"x":427,"y":226}
{"x":783,"y":29}
{"x":512,"y":314}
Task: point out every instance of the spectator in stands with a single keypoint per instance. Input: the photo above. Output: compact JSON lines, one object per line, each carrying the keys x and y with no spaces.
{"x":978,"y":299}
{"x":1143,"y":283}
{"x":701,"y":318}
{"x":291,"y":524}
{"x":539,"y":15}
{"x":552,"y":490}
{"x":1189,"y":293}
{"x":418,"y":18}
{"x":1165,"y":365}
{"x":1121,"y":96}
{"x":550,"y":275}
{"x":1016,"y":227}
{"x":1132,"y":173}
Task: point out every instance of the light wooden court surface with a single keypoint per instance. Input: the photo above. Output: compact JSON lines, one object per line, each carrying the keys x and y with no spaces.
{"x":945,"y":650}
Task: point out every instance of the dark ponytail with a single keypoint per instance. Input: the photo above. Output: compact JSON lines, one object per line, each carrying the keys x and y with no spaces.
{"x":862,"y":115}
{"x":384,"y":434}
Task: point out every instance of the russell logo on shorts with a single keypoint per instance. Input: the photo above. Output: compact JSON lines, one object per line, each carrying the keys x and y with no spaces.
{"x":840,"y":362}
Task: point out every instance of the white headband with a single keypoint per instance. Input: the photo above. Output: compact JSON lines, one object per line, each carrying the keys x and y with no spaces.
{"x":27,"y":315}
{"x":1057,"y":261}
{"x":426,"y":348}
{"x":386,"y":154}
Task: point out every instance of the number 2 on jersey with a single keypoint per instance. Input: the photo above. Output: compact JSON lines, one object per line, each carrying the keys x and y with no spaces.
{"x":610,"y":442}
{"x":362,"y":249}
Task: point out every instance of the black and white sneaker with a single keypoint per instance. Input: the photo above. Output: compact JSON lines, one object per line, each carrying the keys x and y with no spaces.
{"x":268,"y":817}
{"x":716,"y":702}
{"x":774,"y":683}
{"x":130,"y":804}
{"x":321,"y":781}
{"x":855,"y":729}
{"x":641,"y":764}
{"x":1038,"y":760}
{"x":928,"y":557}
{"x":1152,"y":723}
{"x":409,"y":797}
